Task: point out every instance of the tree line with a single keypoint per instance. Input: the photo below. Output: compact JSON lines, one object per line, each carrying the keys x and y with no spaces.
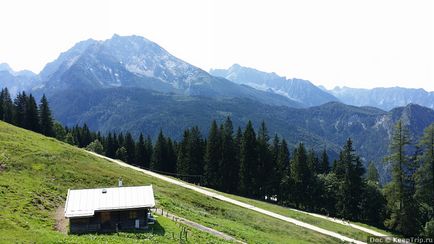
{"x":248,"y":162}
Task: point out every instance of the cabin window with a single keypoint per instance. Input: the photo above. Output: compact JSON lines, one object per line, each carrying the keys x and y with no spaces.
{"x":105,"y":217}
{"x":133,"y":214}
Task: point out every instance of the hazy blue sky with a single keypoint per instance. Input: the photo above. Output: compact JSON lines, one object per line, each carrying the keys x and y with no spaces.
{"x":364,"y":43}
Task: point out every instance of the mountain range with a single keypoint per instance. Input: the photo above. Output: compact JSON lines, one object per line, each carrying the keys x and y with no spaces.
{"x":128,"y":83}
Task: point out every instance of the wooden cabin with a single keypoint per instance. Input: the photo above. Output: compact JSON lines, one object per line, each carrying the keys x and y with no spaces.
{"x":109,"y":209}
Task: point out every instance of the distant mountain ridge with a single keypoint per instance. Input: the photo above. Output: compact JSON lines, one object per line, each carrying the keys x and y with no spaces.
{"x":384,"y":98}
{"x":134,"y":61}
{"x":16,"y":81}
{"x":302,"y":91}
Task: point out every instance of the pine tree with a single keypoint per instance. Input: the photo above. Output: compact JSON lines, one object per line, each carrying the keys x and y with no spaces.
{"x":183,"y":156}
{"x":229,"y":167}
{"x":45,"y":119}
{"x":7,"y":106}
{"x":110,"y":149}
{"x":424,"y":177}
{"x":324,"y":163}
{"x":130,"y":148}
{"x":149,"y":149}
{"x":170,"y":162}
{"x":372,"y":174}
{"x":196,"y":154}
{"x":213,"y":156}
{"x":20,"y":104}
{"x":265,"y":161}
{"x":283,"y":172}
{"x":160,"y":152}
{"x":141,"y":153}
{"x":248,"y":162}
{"x":32,"y":115}
{"x":300,"y":177}
{"x":1,"y":104}
{"x":403,"y":215}
{"x":352,"y":184}
{"x":86,"y":136}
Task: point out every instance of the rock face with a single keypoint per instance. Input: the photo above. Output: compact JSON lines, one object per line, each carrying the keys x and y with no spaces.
{"x":133,"y":61}
{"x":384,"y":98}
{"x":302,"y":91}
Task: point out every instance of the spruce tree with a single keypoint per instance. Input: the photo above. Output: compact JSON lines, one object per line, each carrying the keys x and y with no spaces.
{"x":248,"y":162}
{"x":170,"y":162}
{"x":183,"y":157}
{"x":283,"y":173}
{"x":160,"y":152}
{"x":110,"y":149}
{"x":229,"y":164}
{"x":31,"y":115}
{"x":45,"y":119}
{"x":324,"y":163}
{"x":196,"y":154}
{"x":352,"y":184}
{"x":149,"y":150}
{"x":141,"y":153}
{"x":213,"y":156}
{"x":265,"y":161}
{"x":20,"y":104}
{"x":130,"y":148}
{"x":403,"y":215}
{"x":372,"y":175}
{"x":300,"y":177}
{"x":424,"y":177}
{"x":8,"y":106}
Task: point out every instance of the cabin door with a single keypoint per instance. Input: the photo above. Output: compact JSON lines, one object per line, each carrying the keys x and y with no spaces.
{"x":137,"y":225}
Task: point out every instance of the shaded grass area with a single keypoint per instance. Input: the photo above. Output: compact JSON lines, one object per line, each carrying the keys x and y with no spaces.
{"x":37,"y":172}
{"x":320,"y":222}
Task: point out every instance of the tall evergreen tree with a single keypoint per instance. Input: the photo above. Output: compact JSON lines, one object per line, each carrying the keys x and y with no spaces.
{"x":130,"y":148}
{"x":424,"y":176}
{"x":20,"y":104}
{"x":324,"y":163}
{"x":149,"y":150}
{"x":141,"y":153}
{"x":283,"y":173}
{"x":248,"y":162}
{"x":300,"y":177}
{"x":403,"y":215}
{"x":170,"y":163}
{"x":183,"y":157}
{"x":213,"y":156}
{"x":229,"y":167}
{"x":7,"y":106}
{"x":32,"y":114}
{"x":372,"y":174}
{"x":352,"y":184}
{"x":196,"y":154}
{"x":110,"y":149}
{"x":160,"y":152}
{"x":265,"y":161}
{"x":45,"y":119}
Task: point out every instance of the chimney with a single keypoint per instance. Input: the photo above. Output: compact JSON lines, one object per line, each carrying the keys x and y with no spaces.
{"x":120,"y":182}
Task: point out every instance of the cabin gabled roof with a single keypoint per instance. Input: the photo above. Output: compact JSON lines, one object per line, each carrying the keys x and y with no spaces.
{"x":84,"y":202}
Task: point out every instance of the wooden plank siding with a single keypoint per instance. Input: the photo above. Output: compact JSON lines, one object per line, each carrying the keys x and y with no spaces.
{"x":110,"y":221}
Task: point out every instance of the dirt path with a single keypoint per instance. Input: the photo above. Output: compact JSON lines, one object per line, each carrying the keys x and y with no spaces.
{"x":196,"y":226}
{"x":235,"y":202}
{"x":61,"y":221}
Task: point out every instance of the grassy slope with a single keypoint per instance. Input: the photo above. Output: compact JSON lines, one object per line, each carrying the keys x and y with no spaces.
{"x":320,"y":222}
{"x":39,"y":170}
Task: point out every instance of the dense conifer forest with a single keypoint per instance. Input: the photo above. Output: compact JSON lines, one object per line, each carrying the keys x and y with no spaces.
{"x":250,"y":162}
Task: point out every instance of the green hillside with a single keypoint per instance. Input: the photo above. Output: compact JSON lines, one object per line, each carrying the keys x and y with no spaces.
{"x":36,"y":171}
